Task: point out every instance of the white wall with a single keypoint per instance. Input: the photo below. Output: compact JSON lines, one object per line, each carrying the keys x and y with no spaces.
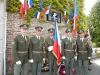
{"x":2,"y":36}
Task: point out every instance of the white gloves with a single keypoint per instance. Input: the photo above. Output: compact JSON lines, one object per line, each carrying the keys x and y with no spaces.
{"x":89,"y":57}
{"x":63,"y":57}
{"x":75,"y":57}
{"x":18,"y":62}
{"x":43,"y":59}
{"x":31,"y":61}
{"x":50,"y":48}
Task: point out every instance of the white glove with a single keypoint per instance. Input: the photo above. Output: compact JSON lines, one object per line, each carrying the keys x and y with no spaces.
{"x":31,"y":61}
{"x":43,"y":59}
{"x":75,"y":57}
{"x":50,"y":48}
{"x":89,"y":57}
{"x":18,"y":62}
{"x":63,"y":57}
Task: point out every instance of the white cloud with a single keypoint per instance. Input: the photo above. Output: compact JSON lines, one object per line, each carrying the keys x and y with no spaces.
{"x":88,"y":4}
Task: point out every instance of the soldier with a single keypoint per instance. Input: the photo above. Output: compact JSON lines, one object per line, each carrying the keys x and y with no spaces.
{"x":36,"y":51}
{"x":89,"y":50}
{"x":83,"y":53}
{"x":49,"y":48}
{"x":21,"y":45}
{"x":68,"y":52}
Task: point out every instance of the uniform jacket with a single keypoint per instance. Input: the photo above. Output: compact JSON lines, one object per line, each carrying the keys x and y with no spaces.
{"x":49,"y":42}
{"x":83,"y":49}
{"x":20,"y":48}
{"x":36,"y":51}
{"x":67,"y":45}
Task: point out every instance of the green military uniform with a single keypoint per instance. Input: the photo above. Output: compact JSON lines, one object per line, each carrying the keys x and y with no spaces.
{"x":68,"y":53}
{"x":36,"y":53}
{"x":21,"y":45}
{"x":51,"y":57}
{"x":83,"y":54}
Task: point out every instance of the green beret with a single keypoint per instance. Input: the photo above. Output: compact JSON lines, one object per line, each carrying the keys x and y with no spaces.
{"x":80,"y":31}
{"x":23,"y":26}
{"x":68,"y":30}
{"x":38,"y":28}
{"x":51,"y":30}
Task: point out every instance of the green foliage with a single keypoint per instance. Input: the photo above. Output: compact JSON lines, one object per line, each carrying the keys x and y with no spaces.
{"x":94,"y":21}
{"x":13,"y":6}
{"x":56,"y":6}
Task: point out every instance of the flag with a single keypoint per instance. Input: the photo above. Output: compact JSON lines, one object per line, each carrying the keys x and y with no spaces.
{"x":67,"y":21}
{"x":75,"y":16}
{"x":57,"y":45}
{"x":30,"y":3}
{"x":65,"y":14}
{"x":37,"y":14}
{"x":47,"y":9}
{"x":71,"y":15}
{"x":41,"y":4}
{"x":22,"y":7}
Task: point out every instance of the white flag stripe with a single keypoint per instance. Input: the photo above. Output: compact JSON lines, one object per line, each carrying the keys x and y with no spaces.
{"x":22,"y":1}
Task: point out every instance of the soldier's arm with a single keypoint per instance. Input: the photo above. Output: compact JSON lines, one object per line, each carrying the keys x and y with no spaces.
{"x":89,"y":48}
{"x":62,"y":48}
{"x":30,"y":49}
{"x":15,"y":48}
{"x":76,"y":47}
{"x":44,"y":48}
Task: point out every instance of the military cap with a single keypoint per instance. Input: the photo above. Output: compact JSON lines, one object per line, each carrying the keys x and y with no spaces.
{"x":39,"y":28}
{"x":51,"y":30}
{"x":86,"y":35}
{"x":80,"y":31}
{"x":68,"y":30}
{"x":23,"y":26}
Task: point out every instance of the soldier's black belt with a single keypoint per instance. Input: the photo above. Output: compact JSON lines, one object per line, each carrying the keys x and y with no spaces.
{"x":83,"y":51}
{"x":37,"y":51}
{"x":22,"y":52}
{"x":68,"y":50}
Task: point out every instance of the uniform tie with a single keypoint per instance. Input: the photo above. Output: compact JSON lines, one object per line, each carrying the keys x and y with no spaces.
{"x":38,"y":37}
{"x":25,"y":38}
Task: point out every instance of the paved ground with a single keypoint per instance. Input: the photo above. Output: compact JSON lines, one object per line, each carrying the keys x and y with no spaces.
{"x":95,"y":68}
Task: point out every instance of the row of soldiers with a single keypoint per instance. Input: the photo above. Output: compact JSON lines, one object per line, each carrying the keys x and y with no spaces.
{"x":75,"y":52}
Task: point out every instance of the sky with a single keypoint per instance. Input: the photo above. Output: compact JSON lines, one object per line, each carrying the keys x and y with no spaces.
{"x":88,"y":4}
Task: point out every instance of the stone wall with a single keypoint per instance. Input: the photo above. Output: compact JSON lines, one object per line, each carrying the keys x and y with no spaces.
{"x":13,"y":23}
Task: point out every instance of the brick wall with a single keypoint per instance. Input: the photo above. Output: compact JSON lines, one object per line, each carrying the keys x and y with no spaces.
{"x":13,"y":23}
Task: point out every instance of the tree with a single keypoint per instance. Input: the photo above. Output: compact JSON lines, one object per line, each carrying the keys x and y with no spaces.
{"x":94,"y":22}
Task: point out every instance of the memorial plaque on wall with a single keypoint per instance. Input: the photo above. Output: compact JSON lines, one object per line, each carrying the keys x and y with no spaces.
{"x":51,"y":18}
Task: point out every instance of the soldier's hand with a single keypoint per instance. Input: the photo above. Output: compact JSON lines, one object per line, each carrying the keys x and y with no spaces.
{"x":44,"y":59}
{"x":31,"y":61}
{"x":63,"y":57}
{"x":75,"y":57}
{"x":89,"y":57}
{"x":18,"y":62}
{"x":50,"y":48}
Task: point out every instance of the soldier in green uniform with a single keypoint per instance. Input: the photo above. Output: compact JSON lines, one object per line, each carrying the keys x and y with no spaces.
{"x":49,"y":48}
{"x":36,"y":51}
{"x":89,"y":50}
{"x":83,"y":53}
{"x":21,"y":45}
{"x":68,"y":52}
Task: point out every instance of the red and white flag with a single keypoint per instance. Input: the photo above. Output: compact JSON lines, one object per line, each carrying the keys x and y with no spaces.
{"x":75,"y":16}
{"x":22,"y":7}
{"x":57,"y":45}
{"x":47,"y":9}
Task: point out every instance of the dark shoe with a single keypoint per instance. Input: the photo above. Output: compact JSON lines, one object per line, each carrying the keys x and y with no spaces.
{"x":89,"y":69}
